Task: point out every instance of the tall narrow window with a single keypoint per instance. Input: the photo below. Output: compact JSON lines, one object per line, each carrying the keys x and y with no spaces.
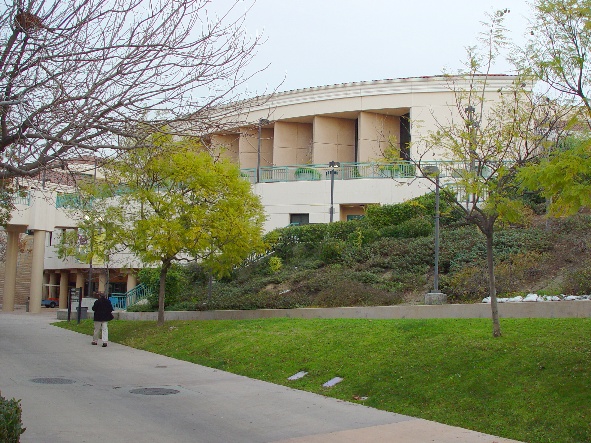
{"x":405,"y":136}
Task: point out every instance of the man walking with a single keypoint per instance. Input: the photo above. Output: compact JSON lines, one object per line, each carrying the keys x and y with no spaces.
{"x":102,"y":315}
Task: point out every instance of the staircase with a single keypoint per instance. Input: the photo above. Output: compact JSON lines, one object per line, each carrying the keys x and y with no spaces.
{"x":121,"y":300}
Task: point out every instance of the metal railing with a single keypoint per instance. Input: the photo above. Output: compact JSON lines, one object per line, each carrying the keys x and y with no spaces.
{"x":403,"y":169}
{"x":22,"y":198}
{"x":121,"y":300}
{"x":352,"y":171}
{"x":346,"y":171}
{"x":72,"y":200}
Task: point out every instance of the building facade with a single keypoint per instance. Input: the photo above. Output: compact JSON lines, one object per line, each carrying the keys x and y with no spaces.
{"x":312,"y":155}
{"x":288,"y":143}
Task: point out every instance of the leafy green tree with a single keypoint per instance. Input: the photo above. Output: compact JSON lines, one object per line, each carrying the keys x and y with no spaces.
{"x":558,"y":55}
{"x":558,"y":49}
{"x":178,"y":204}
{"x":491,"y":136}
{"x":563,"y":177}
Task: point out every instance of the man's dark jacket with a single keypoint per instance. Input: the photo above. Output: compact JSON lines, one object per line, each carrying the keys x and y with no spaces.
{"x":102,"y":309}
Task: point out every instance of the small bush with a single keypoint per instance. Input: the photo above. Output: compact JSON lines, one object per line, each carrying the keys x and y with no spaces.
{"x":11,"y":425}
{"x":331,"y":251}
{"x":275,"y":265}
{"x":578,"y":282}
{"x":187,"y":305}
{"x":176,"y":283}
{"x":467,"y":285}
{"x":145,"y":307}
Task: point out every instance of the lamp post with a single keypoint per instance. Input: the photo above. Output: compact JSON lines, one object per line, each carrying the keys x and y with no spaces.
{"x":262,"y":122}
{"x":332,"y":172}
{"x":435,"y":297}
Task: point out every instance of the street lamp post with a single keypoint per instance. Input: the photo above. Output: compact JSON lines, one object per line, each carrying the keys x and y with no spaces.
{"x":262,"y":122}
{"x":332,"y":172}
{"x":435,"y":297}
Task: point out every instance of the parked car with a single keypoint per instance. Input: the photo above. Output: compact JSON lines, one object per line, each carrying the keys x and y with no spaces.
{"x":50,"y":302}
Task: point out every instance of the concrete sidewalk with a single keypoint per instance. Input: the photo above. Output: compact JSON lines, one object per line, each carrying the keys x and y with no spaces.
{"x":74,"y":392}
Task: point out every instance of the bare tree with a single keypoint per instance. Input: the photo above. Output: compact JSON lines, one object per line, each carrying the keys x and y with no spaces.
{"x":489,"y":137}
{"x":77,"y":76}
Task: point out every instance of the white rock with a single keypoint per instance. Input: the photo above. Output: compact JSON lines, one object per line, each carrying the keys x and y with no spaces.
{"x":531,"y":297}
{"x":517,"y":299}
{"x":486,"y":300}
{"x":572,"y":297}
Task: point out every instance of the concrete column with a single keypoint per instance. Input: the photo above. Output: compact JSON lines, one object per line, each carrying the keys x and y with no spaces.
{"x":10,"y":271}
{"x":64,"y":278}
{"x":52,"y":283}
{"x":131,"y":281}
{"x":37,"y":271}
{"x":80,"y":281}
{"x":102,"y":281}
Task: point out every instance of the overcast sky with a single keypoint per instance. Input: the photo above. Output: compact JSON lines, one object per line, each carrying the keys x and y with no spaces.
{"x":320,"y":42}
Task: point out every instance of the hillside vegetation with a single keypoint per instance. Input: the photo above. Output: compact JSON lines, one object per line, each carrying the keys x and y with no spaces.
{"x":387,"y":258}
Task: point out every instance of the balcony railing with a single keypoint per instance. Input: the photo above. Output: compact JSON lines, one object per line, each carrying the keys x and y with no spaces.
{"x":72,"y":201}
{"x":352,"y":171}
{"x":22,"y":198}
{"x":346,"y":171}
{"x":450,"y":170}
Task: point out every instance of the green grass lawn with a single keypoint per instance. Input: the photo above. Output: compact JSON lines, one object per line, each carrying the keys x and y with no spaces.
{"x":532,"y":384}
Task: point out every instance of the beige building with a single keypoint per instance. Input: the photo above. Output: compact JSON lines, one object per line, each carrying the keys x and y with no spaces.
{"x":287,"y":143}
{"x":304,"y":151}
{"x":32,"y":271}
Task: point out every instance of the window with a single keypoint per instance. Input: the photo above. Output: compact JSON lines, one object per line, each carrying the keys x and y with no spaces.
{"x":299,"y":219}
{"x":405,"y":136}
{"x":354,"y":217}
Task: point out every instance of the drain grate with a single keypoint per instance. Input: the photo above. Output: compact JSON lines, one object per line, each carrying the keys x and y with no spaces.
{"x":154,"y":391}
{"x":53,"y":381}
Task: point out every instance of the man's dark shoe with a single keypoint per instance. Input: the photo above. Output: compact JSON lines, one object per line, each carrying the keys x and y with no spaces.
{"x":94,"y":343}
{"x":104,"y":345}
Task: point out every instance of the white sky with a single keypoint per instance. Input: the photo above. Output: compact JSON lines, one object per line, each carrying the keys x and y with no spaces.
{"x":321,"y":42}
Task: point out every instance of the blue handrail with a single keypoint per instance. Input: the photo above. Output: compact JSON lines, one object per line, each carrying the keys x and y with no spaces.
{"x":121,"y":300}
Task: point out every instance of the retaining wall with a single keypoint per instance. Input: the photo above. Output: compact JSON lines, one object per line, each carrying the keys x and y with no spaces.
{"x":479,"y":310}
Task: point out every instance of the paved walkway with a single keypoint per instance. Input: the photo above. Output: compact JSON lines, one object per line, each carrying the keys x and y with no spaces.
{"x":74,"y":392}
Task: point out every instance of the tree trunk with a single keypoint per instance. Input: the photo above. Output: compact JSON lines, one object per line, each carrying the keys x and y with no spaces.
{"x":162,"y":291}
{"x":492,"y":291}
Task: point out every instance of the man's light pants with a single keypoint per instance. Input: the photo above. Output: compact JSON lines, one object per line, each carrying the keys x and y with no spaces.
{"x":102,"y":326}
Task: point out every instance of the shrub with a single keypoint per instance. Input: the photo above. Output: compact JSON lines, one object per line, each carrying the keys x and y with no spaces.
{"x":176,"y":283}
{"x":468,"y":284}
{"x":275,"y":265}
{"x":11,"y":425}
{"x":519,"y":271}
{"x":331,"y":251}
{"x":578,"y":282}
{"x":415,"y":227}
{"x":388,"y":215}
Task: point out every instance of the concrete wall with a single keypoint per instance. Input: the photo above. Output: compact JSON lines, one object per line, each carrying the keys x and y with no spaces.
{"x":248,"y":147}
{"x":292,"y":143}
{"x":580,"y":309}
{"x":226,"y":146}
{"x":376,"y":133}
{"x":313,"y":197}
{"x":334,"y":139}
